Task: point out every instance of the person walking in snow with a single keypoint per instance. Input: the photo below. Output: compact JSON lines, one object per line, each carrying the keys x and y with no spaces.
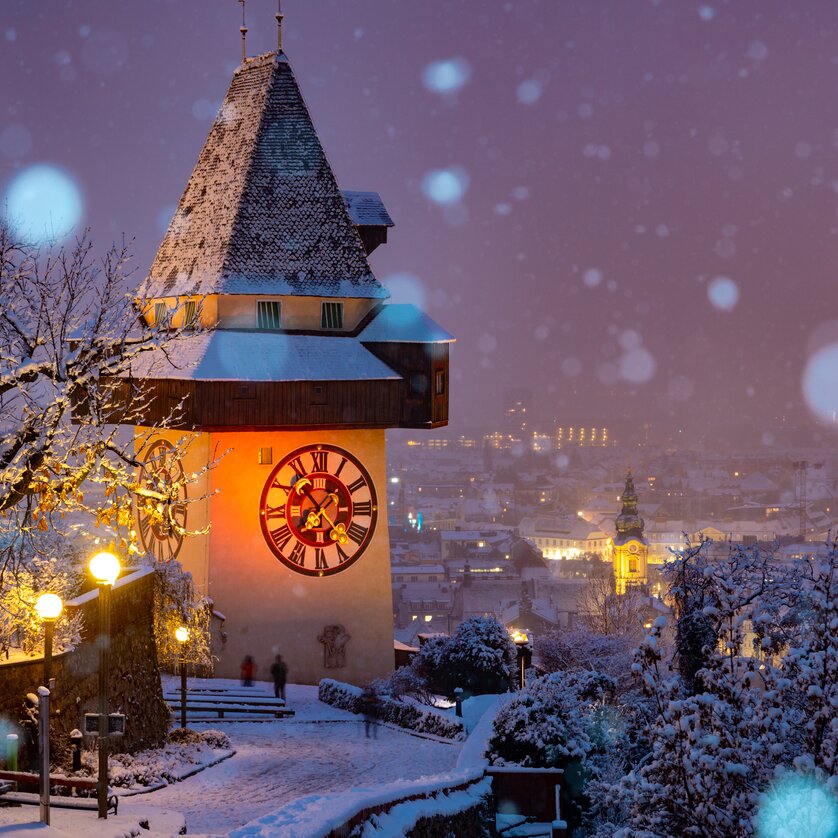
{"x":279,"y":672}
{"x":370,"y":703}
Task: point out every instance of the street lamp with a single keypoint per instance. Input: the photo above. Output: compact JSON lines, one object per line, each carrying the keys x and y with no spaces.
{"x":104,"y":567}
{"x":182,"y":635}
{"x":522,"y":644}
{"x":49,"y":608}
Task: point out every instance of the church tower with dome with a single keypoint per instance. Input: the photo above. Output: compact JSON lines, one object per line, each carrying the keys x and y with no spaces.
{"x":631,"y":550}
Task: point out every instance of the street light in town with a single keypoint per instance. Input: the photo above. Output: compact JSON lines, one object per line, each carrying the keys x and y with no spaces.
{"x":48,"y":608}
{"x":182,"y":635}
{"x":522,"y":644}
{"x":104,"y":567}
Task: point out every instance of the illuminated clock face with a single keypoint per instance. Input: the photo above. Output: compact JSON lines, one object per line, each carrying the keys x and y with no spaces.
{"x":318,"y":510}
{"x":162,"y":524}
{"x":632,"y":548}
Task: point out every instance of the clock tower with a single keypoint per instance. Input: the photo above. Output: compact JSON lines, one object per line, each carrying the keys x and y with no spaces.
{"x":631,"y":550}
{"x":292,"y":368}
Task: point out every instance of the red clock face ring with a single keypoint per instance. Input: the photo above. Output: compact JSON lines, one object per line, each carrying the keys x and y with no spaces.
{"x":162,"y":536}
{"x":318,"y":510}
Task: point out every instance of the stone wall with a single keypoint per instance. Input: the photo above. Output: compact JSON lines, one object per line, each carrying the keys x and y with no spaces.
{"x":135,"y":687}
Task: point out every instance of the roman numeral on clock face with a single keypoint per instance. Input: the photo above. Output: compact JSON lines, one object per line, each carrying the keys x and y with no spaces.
{"x":320,"y":559}
{"x":362,"y":508}
{"x":356,"y":484}
{"x":319,"y":460}
{"x":281,"y":536}
{"x":299,"y":468}
{"x":276,"y":511}
{"x":356,"y":532}
{"x":298,"y":554}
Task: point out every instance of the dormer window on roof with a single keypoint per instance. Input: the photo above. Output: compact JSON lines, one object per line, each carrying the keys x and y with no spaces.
{"x":331,"y":315}
{"x":268,"y":314}
{"x":161,"y":315}
{"x":190,"y":314}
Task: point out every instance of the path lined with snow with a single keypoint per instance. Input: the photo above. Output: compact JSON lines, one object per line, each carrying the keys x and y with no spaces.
{"x":320,"y":750}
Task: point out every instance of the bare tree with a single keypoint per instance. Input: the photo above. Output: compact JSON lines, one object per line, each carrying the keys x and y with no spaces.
{"x":606,"y":612}
{"x":69,"y":331}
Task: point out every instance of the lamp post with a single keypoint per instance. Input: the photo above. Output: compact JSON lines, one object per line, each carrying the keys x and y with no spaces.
{"x":104,"y":567}
{"x":182,"y":635}
{"x":48,"y":608}
{"x":522,"y":644}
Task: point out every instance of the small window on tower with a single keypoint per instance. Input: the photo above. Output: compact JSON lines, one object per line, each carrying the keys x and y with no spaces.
{"x":331,"y":316}
{"x":190,"y":314}
{"x":439,"y":383}
{"x":161,"y":315}
{"x":266,"y":456}
{"x":632,"y":564}
{"x":268,"y":314}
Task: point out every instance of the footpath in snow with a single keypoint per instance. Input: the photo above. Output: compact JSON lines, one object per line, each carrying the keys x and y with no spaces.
{"x":320,"y":753}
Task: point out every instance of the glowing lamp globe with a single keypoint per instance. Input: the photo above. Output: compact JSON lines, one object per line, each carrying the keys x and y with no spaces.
{"x":105,"y":568}
{"x":181,"y":634}
{"x":519,"y":638}
{"x":49,"y":607}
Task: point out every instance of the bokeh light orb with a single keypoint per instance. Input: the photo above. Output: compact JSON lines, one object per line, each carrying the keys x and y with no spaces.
{"x":445,"y":186}
{"x":42,"y":204}
{"x":637,"y":366}
{"x":406,"y":287}
{"x":820,"y":383}
{"x":797,"y":806}
{"x":592,"y":277}
{"x":447,"y":76}
{"x":723,"y":293}
{"x":529,"y":92}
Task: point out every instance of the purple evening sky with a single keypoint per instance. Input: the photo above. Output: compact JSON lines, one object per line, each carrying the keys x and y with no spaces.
{"x":599,"y":165}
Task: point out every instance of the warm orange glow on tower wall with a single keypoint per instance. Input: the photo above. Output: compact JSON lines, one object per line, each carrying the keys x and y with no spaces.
{"x":270,"y":608}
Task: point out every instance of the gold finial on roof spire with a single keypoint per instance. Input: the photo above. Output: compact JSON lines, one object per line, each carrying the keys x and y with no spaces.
{"x":243,"y":30}
{"x":279,"y":17}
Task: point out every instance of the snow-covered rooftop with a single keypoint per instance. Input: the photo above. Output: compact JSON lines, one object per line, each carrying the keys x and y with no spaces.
{"x":404,"y":323}
{"x":255,"y":355}
{"x":262,"y":212}
{"x":367,"y":209}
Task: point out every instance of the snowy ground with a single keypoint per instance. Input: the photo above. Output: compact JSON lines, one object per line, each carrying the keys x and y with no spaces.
{"x":321,"y":750}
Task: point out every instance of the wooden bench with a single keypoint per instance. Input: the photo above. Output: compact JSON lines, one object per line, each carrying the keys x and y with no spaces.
{"x":226,"y":705}
{"x":8,"y":793}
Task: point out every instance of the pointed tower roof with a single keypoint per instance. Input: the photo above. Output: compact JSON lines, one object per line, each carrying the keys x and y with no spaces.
{"x":262,"y":212}
{"x":629,"y":524}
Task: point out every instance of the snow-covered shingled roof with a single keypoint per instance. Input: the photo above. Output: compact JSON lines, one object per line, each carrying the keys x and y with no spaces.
{"x":262,"y":212}
{"x":233,"y":355}
{"x":404,"y":323}
{"x":367,"y":209}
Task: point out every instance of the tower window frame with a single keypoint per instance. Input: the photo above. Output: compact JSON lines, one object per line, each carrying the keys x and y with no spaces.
{"x":190,"y":314}
{"x":161,"y":315}
{"x":331,"y":315}
{"x":269,"y":314}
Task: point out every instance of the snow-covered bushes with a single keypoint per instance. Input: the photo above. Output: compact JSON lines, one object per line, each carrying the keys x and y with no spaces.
{"x":551,"y":721}
{"x":751,"y":697}
{"x":185,"y":750}
{"x":479,"y":657}
{"x":348,"y":697}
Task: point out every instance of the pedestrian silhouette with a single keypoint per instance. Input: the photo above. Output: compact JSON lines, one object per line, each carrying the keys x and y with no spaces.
{"x":248,"y":671}
{"x":279,"y":672}
{"x":370,"y":703}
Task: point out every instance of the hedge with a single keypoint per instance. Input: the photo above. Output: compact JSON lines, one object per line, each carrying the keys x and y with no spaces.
{"x":348,"y":697}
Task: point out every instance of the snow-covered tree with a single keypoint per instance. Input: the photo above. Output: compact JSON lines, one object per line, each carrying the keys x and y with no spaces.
{"x":38,"y":565}
{"x":479,"y":657}
{"x":69,"y":332}
{"x":176,"y":604}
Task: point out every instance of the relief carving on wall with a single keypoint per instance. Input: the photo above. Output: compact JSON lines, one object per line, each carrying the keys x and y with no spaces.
{"x":334,"y":639}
